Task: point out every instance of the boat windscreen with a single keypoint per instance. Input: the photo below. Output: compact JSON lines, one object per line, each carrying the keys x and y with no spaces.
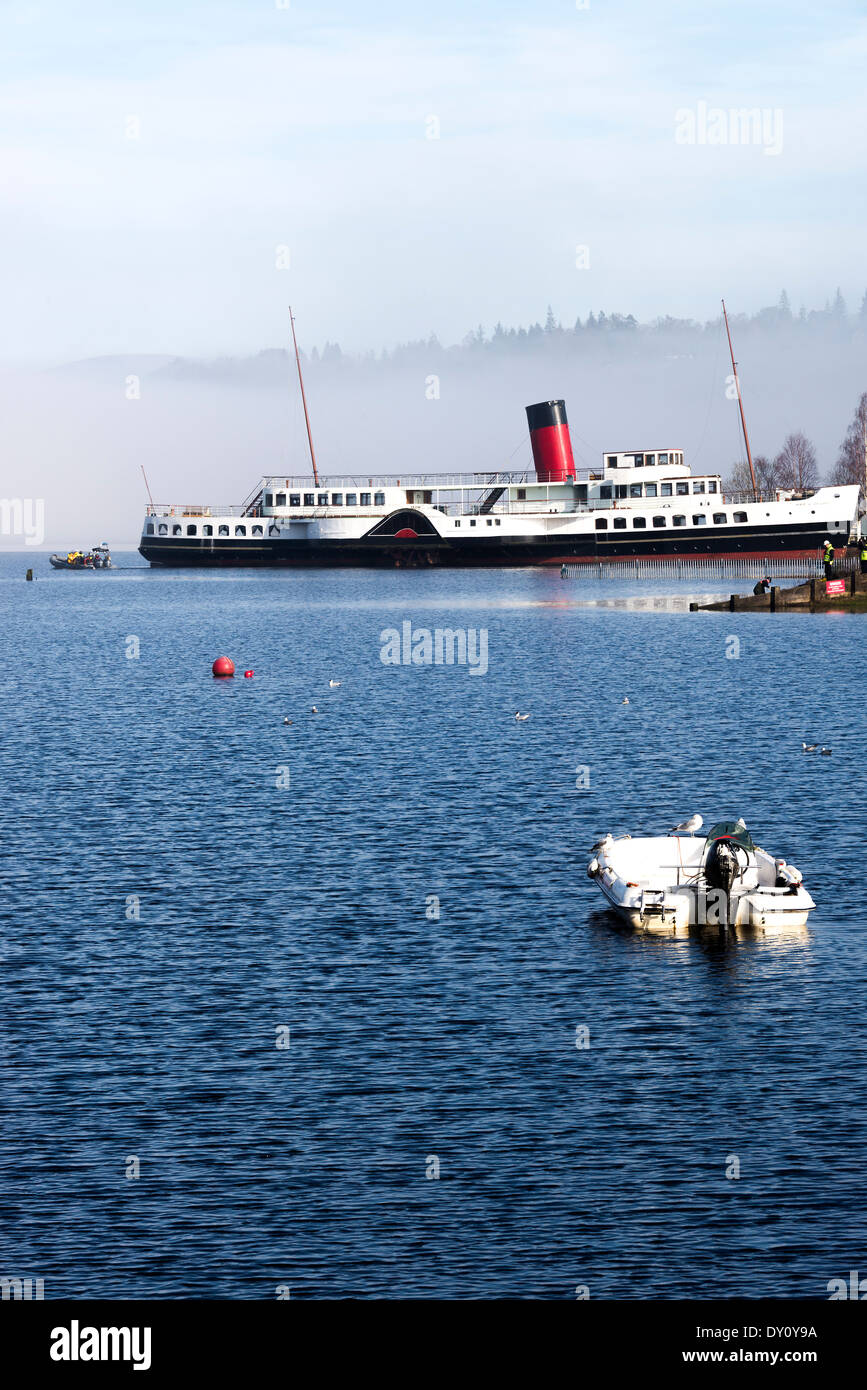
{"x":733,"y":830}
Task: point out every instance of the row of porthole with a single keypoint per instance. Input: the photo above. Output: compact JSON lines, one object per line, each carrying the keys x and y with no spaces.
{"x":719,"y":519}
{"x":207,"y":530}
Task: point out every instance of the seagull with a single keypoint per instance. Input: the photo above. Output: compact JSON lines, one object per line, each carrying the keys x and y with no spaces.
{"x":332,"y":685}
{"x":688,"y":827}
{"x":314,"y":710}
{"x":625,"y":700}
{"x":826,"y":751}
{"x":809,"y":747}
{"x":522,"y":717}
{"x":287,"y":720}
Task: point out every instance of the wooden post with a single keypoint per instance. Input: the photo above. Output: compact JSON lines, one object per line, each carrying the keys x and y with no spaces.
{"x":733,"y":603}
{"x":775,"y":589}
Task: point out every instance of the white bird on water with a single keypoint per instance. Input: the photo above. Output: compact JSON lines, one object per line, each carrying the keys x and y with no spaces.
{"x":809,"y":747}
{"x":688,"y":827}
{"x":332,"y":685}
{"x":522,"y":717}
{"x":625,"y":700}
{"x":314,"y":710}
{"x":286,"y":719}
{"x":827,"y":751}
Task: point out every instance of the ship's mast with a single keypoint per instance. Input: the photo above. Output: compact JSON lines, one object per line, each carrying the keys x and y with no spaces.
{"x":304,"y":398}
{"x":740,"y":403}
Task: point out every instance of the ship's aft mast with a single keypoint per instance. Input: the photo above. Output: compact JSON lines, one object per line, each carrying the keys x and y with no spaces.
{"x":303,"y":398}
{"x":740,"y":404}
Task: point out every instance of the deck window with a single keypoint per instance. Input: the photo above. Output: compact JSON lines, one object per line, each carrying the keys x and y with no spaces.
{"x":650,"y":489}
{"x":207,"y":530}
{"x":659,"y":521}
{"x":457,"y":523}
{"x":635,"y":489}
{"x":682,"y":489}
{"x":698,"y":487}
{"x":663,"y":459}
{"x":280,"y":499}
{"x":337,"y":499}
{"x":223,"y":531}
{"x":605,"y":492}
{"x":365,"y":499}
{"x":257,"y":531}
{"x":149,"y":529}
{"x":720,"y":519}
{"x":322,"y":499}
{"x":309,"y":499}
{"x":740,"y":516}
{"x":700,"y":520}
{"x":601,"y":523}
{"x":379,"y":499}
{"x":678,"y":521}
{"x":240,"y":530}
{"x":620,"y":491}
{"x":489,"y":521}
{"x":295,"y":499}
{"x":650,"y":459}
{"x":352,"y":499}
{"x":611,"y":460}
{"x":522,"y":494}
{"x":639,"y":521}
{"x":665,"y":489}
{"x":711,"y":487}
{"x":620,"y":523}
{"x":164,"y":530}
{"x":191,"y":530}
{"x":639,"y":460}
{"x":496,"y":521}
{"x":269,"y":499}
{"x":472,"y":523}
{"x":176,"y":530}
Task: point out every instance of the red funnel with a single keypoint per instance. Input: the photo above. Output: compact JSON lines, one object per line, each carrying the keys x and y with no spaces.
{"x":549,"y":436}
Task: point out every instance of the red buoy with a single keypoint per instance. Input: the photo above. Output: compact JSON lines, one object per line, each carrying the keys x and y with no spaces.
{"x":248,"y":674}
{"x":223,"y":666}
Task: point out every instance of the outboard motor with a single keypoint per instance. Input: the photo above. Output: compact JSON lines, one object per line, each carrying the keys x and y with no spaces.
{"x":721,"y":867}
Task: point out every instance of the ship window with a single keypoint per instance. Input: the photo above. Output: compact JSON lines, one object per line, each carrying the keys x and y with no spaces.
{"x":379,"y":499}
{"x":223,"y":531}
{"x":257,"y":530}
{"x":240,"y":530}
{"x":650,"y":459}
{"x":280,"y":499}
{"x":680,"y":458}
{"x":496,"y":521}
{"x":699,"y":520}
{"x":620,"y":523}
{"x":522,"y":494}
{"x":635,"y":489}
{"x":665,"y":489}
{"x":352,"y":499}
{"x":740,"y":516}
{"x":295,"y":499}
{"x":489,"y":522}
{"x":601,"y":523}
{"x":605,"y":492}
{"x":207,"y":530}
{"x":678,"y":521}
{"x":176,"y":530}
{"x":639,"y":460}
{"x":663,"y":458}
{"x":711,"y":487}
{"x":149,"y":529}
{"x":322,"y":499}
{"x":472,"y":523}
{"x":659,"y":521}
{"x":457,"y":523}
{"x":720,"y":519}
{"x":269,"y":499}
{"x":621,"y":491}
{"x":365,"y":499}
{"x":698,"y":487}
{"x":639,"y":521}
{"x":337,"y":499}
{"x":682,"y":489}
{"x":650,"y":489}
{"x":611,"y":460}
{"x":164,"y":530}
{"x":309,"y":499}
{"x":191,"y":530}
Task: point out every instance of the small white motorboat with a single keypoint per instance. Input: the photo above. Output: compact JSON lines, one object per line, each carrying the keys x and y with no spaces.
{"x":669,"y":883}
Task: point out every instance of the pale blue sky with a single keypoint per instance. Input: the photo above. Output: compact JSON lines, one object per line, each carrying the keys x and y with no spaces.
{"x":262,"y":127}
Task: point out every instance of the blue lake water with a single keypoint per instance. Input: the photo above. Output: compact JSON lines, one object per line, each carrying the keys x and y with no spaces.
{"x":140,"y":784}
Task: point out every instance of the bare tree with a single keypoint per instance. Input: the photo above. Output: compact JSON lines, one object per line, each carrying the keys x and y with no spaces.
{"x":795,"y":464}
{"x":850,"y":464}
{"x":765,"y":470}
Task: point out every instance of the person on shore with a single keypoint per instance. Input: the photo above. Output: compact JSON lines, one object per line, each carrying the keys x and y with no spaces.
{"x":862,"y":554}
{"x":763,"y":586}
{"x":828,"y":559}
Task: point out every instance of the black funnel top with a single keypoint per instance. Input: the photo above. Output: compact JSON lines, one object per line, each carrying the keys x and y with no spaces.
{"x":546,"y":413}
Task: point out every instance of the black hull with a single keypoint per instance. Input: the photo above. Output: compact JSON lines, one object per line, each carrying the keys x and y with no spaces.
{"x":723,"y":543}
